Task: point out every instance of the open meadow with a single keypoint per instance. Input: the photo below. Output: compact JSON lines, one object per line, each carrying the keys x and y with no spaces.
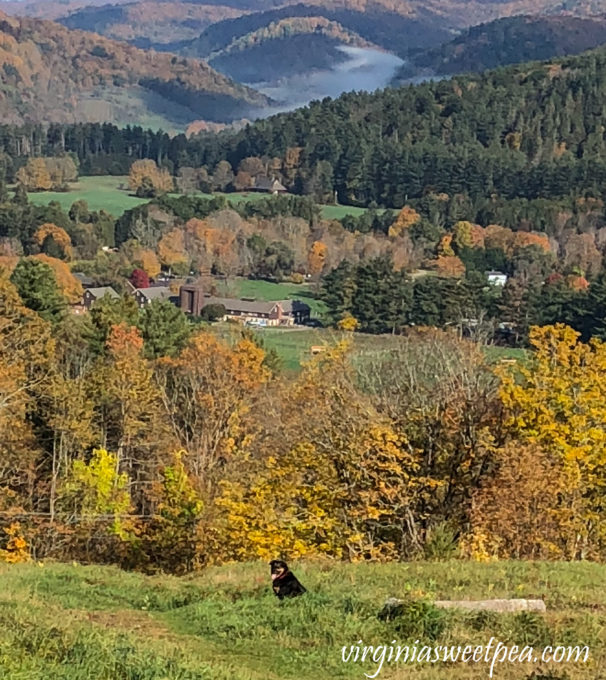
{"x":71,"y":622}
{"x":104,"y":193}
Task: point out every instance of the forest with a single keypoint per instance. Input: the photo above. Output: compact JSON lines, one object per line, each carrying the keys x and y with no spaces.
{"x":126,"y":431}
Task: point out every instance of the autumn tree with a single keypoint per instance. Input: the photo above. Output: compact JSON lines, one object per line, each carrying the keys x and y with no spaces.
{"x":556,"y":402}
{"x":516,"y":511}
{"x":69,"y":286}
{"x":54,"y":241}
{"x":34,"y":175}
{"x":407,"y":218}
{"x":171,"y":251}
{"x":441,"y":396}
{"x":26,"y":348}
{"x":223,"y":176}
{"x":147,"y":180}
{"x":205,"y":391}
{"x":337,"y":482}
{"x":172,"y":540}
{"x":128,"y":409}
{"x":316,"y":258}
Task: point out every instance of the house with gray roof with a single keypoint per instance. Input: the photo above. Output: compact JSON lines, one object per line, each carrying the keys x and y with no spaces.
{"x":295,"y":312}
{"x":91,"y":295}
{"x":145,"y":296}
{"x":267,"y":185}
{"x":248,"y":311}
{"x":193,"y":299}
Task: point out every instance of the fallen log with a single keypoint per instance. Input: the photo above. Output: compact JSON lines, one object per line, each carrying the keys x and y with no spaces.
{"x":394,"y":607}
{"x":493,"y":605}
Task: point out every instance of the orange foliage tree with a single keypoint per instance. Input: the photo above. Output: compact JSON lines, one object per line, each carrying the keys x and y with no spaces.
{"x":317,"y":258}
{"x":58,"y":235}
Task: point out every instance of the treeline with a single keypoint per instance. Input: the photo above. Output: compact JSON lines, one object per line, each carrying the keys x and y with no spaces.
{"x":373,"y":298}
{"x":531,"y":132}
{"x":196,"y":452}
{"x":386,"y":271}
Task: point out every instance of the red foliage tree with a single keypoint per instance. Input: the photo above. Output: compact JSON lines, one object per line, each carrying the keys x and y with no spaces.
{"x":139,"y":279}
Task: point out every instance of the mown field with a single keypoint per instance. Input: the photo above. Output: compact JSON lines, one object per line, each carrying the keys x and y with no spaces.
{"x":103,"y":193}
{"x":70,"y":622}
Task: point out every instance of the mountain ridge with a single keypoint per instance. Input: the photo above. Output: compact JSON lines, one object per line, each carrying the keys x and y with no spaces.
{"x":53,"y":74}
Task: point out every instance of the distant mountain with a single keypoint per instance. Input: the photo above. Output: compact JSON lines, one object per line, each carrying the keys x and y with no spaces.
{"x":149,"y":23}
{"x":515,"y":40}
{"x":293,"y":45}
{"x":387,"y":29}
{"x":51,"y":74}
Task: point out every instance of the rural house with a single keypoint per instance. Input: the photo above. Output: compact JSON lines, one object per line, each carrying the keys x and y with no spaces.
{"x":192,"y":300}
{"x":267,"y":185}
{"x":145,"y":296}
{"x":91,"y":295}
{"x":496,"y":278}
{"x":295,"y":312}
{"x":249,"y":311}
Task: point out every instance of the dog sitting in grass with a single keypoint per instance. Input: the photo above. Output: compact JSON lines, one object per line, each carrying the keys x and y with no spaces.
{"x":284,"y":582}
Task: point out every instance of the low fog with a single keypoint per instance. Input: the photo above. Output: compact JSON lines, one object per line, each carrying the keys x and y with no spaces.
{"x":365,"y":69}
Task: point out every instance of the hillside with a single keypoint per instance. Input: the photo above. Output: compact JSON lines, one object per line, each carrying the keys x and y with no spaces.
{"x":388,"y":29}
{"x":72,"y":622}
{"x":149,"y":23}
{"x":528,"y":132}
{"x":514,"y":40}
{"x":283,"y":48}
{"x":52,"y":74}
{"x":397,"y":25}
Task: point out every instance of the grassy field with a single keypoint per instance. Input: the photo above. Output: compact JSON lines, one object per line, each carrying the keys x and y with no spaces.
{"x":103,"y":193}
{"x":293,"y":345}
{"x":70,"y":622}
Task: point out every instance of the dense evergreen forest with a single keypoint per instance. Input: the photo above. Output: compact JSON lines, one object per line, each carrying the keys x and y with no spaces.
{"x":512,"y":40}
{"x":525,"y":132}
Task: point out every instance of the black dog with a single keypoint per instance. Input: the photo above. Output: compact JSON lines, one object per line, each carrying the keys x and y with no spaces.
{"x":284,"y":582}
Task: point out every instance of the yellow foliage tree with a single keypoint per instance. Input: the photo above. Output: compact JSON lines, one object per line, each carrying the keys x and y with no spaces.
{"x":338,"y":480}
{"x":316,"y":258}
{"x":206,"y":391}
{"x":26,"y":348}
{"x":58,"y":235}
{"x":149,"y":262}
{"x":147,"y":179}
{"x":449,"y":266}
{"x":34,"y":175}
{"x":348,"y":324}
{"x":16,"y":548}
{"x":558,"y":402}
{"x":171,"y":248}
{"x":516,"y":513}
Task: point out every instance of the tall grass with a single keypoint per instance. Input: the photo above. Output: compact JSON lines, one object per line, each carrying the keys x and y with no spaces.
{"x":74,"y":623}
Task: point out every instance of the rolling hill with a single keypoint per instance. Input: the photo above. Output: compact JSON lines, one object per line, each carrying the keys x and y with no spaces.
{"x":396,"y":25}
{"x":303,"y":43}
{"x":51,"y":74}
{"x":514,"y":40}
{"x":149,"y":23}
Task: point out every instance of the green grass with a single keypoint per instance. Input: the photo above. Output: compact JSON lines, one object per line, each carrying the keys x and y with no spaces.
{"x":293,"y":345}
{"x":75,"y":623}
{"x":102,"y":193}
